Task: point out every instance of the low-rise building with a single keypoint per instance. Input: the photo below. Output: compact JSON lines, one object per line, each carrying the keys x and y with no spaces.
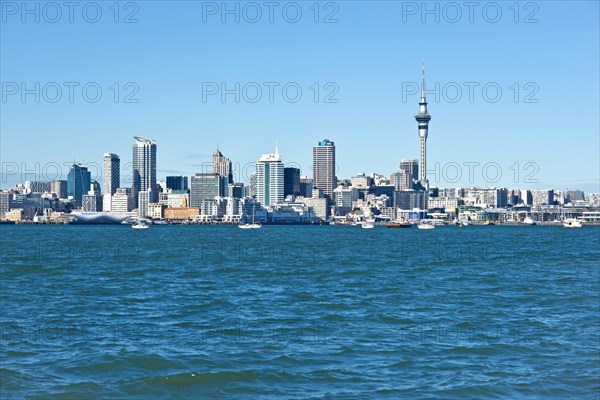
{"x":156,"y":210}
{"x":181,"y":213}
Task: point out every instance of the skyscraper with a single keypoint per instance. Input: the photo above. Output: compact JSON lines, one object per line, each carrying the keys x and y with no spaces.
{"x":222,"y":166}
{"x":112,"y":178}
{"x":324,"y":167}
{"x":144,"y":168}
{"x":269,"y":179}
{"x":423,"y":120}
{"x":78,"y":183}
{"x":291,"y":181}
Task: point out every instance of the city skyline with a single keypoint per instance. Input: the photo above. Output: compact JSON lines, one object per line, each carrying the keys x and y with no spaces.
{"x":374,"y":81}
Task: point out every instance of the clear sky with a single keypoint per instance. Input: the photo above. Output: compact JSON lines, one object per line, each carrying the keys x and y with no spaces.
{"x":543,"y":56}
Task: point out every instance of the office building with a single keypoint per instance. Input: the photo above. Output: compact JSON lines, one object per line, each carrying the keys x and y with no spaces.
{"x":122,"y":201}
{"x":324,"y":167}
{"x":59,"y":188}
{"x":112,"y":179}
{"x":177,"y":183}
{"x":291,"y":181}
{"x":206,"y":186}
{"x":236,"y":190}
{"x":222,"y":166}
{"x":143,"y":201}
{"x":4,"y":203}
{"x":269,"y":179}
{"x":306,"y":186}
{"x":78,"y":183}
{"x":144,"y":168}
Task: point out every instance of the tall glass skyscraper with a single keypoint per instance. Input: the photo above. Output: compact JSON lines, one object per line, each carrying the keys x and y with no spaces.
{"x":112,"y":178}
{"x":269,"y":179}
{"x":324,"y":167}
{"x":78,"y":183}
{"x":144,"y":168}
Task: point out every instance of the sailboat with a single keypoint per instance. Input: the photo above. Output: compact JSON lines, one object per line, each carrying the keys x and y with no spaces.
{"x":140,"y":224}
{"x":253,"y":225}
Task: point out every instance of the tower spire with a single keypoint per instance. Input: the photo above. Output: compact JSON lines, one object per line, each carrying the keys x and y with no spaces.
{"x":423,"y":83}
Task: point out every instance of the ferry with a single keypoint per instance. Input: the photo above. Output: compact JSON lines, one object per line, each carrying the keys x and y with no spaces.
{"x":572,"y":223}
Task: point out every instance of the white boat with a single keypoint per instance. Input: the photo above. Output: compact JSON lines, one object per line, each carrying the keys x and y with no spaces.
{"x":572,"y":223}
{"x":252,"y":225}
{"x":140,"y":225}
{"x":528,"y":221}
{"x":367,"y":225}
{"x":425,"y":225}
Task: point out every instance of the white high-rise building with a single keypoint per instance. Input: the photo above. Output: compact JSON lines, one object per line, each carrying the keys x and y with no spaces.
{"x":112,"y":179}
{"x":324,"y":167}
{"x":144,"y":168}
{"x":269,"y":179}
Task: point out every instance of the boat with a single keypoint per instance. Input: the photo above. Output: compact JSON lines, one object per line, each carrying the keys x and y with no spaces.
{"x":399,"y":224}
{"x":367,"y":225}
{"x":529,"y":221}
{"x":488,"y":222}
{"x":252,"y":225}
{"x":140,"y":225}
{"x":572,"y":223}
{"x":425,"y":225}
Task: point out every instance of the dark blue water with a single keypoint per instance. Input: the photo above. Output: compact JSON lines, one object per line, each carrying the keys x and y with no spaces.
{"x":299,"y":312}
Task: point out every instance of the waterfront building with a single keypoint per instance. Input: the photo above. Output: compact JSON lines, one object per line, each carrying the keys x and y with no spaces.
{"x":324,"y":167}
{"x":181,"y":213}
{"x":177,"y":183}
{"x":316,"y":205}
{"x":15,"y":215}
{"x":59,"y":187}
{"x":269,"y":179}
{"x":291,"y":181}
{"x":144,"y":168}
{"x":206,"y":186}
{"x":112,"y":179}
{"x":78,"y":183}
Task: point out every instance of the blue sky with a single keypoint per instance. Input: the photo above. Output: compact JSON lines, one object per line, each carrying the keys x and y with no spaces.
{"x":371,"y":57}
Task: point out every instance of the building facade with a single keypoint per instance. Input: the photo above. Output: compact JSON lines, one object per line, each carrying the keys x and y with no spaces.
{"x":269,"y":179}
{"x":324,"y":167}
{"x":144,"y":168}
{"x":78,"y":183}
{"x":112,"y":178}
{"x":222,"y":166}
{"x":206,"y":186}
{"x":291,"y":181}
